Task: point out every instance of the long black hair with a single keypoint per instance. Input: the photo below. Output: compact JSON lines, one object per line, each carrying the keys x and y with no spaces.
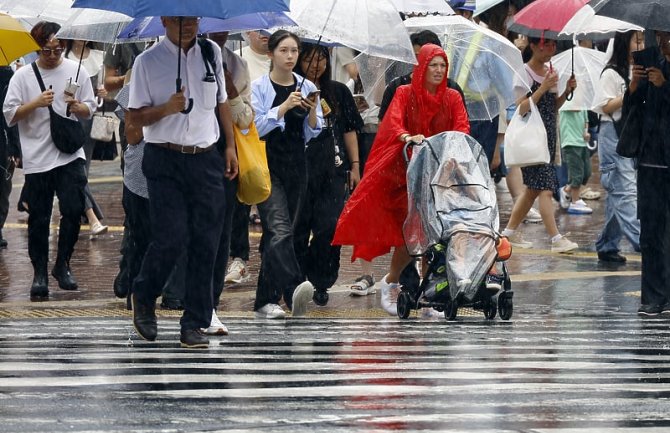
{"x":310,"y":53}
{"x":620,"y":47}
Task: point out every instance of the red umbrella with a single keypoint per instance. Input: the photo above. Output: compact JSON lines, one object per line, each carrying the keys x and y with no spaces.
{"x":545,"y":18}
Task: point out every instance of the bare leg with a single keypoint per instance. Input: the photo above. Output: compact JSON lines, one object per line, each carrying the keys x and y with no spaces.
{"x":521,"y":207}
{"x":90,"y":215}
{"x":366,"y":267}
{"x":547,"y":212}
{"x":515,"y":183}
{"x":399,"y":261}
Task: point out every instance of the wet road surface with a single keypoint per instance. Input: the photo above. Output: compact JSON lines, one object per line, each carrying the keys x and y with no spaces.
{"x":574,"y":357}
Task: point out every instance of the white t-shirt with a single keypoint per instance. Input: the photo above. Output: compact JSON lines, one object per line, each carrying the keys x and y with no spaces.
{"x":154,"y":75}
{"x":38,"y":150}
{"x":258,"y":64}
{"x":610,"y":86}
{"x":92,"y":63}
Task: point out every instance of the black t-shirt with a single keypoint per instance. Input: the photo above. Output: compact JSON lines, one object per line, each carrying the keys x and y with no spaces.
{"x":284,"y":145}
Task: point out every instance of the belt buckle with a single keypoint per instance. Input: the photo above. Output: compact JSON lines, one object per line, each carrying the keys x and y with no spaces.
{"x":189,"y":152}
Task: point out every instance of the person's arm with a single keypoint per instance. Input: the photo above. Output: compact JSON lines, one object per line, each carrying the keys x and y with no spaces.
{"x":570,"y":87}
{"x":314,"y":122}
{"x":351,"y":144}
{"x":266,"y":117}
{"x":146,"y":116}
{"x":550,"y":80}
{"x":389,"y":92}
{"x":226,"y":119}
{"x":459,"y":114}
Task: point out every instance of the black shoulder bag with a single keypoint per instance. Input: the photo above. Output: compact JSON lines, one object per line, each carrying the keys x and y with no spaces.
{"x":630,"y":137}
{"x":67,"y":134}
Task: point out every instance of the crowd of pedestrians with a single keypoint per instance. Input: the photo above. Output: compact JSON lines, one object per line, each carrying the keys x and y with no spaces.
{"x":186,"y":235}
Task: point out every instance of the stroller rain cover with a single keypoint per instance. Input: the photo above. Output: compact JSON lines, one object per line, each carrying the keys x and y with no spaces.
{"x":452,"y":201}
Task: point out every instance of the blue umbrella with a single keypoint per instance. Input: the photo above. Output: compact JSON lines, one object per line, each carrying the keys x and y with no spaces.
{"x":150,"y":27}
{"x":185,"y":8}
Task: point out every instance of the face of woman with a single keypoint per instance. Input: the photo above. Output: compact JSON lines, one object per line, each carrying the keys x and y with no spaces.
{"x":314,"y":64}
{"x":544,"y":51}
{"x":285,"y":55}
{"x":436,"y":71}
{"x":636,"y":42}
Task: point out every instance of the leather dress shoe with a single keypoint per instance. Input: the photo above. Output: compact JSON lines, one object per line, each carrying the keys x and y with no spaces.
{"x":121,"y":284}
{"x":171,"y":304}
{"x":144,"y":319}
{"x":40,"y":286}
{"x":611,"y":257}
{"x":61,"y":272}
{"x":193,"y":339}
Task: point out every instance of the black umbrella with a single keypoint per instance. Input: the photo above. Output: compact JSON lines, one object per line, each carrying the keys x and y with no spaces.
{"x":650,"y":14}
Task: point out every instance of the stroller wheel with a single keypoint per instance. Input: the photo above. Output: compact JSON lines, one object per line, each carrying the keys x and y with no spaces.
{"x":490,"y":309}
{"x":450,"y":308}
{"x":505,"y":306}
{"x":404,"y":304}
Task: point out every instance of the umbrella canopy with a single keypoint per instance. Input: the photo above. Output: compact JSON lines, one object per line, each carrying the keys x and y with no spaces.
{"x":650,"y":14}
{"x":484,"y":5}
{"x":588,"y":65}
{"x":199,"y":8}
{"x":150,"y":27}
{"x":545,"y":18}
{"x":423,"y":6}
{"x":48,"y":10}
{"x":15,"y":41}
{"x":370,"y":26}
{"x":93,"y":25}
{"x":585,"y":24}
{"x":481,"y":61}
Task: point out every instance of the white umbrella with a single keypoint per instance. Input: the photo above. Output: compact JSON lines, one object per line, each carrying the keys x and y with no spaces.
{"x":369,"y":26}
{"x":585,"y":24}
{"x":93,"y":25}
{"x":484,"y":5}
{"x":424,"y":6}
{"x":588,"y":65}
{"x":48,"y":10}
{"x":481,"y":61}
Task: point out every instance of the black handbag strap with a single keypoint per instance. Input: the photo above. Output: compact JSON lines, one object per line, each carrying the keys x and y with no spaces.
{"x":41,"y":82}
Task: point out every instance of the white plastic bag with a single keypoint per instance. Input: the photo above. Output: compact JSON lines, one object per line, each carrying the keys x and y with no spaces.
{"x":526,"y":139}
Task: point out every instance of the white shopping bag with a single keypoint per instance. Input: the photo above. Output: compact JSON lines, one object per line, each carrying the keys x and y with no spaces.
{"x":526,"y":139}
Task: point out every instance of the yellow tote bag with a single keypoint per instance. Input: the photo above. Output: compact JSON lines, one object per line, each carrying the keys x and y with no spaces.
{"x":253,"y":185}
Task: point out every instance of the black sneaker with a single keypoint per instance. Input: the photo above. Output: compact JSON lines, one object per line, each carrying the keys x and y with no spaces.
{"x":193,"y":339}
{"x":320,"y":297}
{"x":3,"y":241}
{"x":649,"y":310}
{"x":171,"y":304}
{"x":144,"y":319}
{"x":611,"y":257}
{"x":61,"y":272}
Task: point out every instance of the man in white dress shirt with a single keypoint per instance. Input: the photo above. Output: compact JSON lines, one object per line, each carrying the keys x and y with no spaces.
{"x":49,"y":171}
{"x":184,"y":171}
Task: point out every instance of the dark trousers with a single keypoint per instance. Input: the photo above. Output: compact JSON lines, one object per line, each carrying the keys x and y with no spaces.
{"x":653,"y":207}
{"x":68,"y":183}
{"x":486,"y":133}
{"x":138,"y":232}
{"x":5,"y":190}
{"x":280,"y":272}
{"x":323,"y":203}
{"x":186,"y":201}
{"x":226,"y":241}
{"x":239,"y":238}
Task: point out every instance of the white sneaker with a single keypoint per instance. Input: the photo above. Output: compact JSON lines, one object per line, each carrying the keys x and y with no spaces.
{"x":532,"y":217}
{"x":579,"y":208}
{"x":237,"y":272}
{"x":98,"y":229}
{"x":564,"y":198}
{"x":363,"y":286}
{"x":563,"y":245}
{"x":301,"y":297}
{"x":270,"y":311}
{"x":215,"y":326}
{"x":390,"y":294}
{"x":518,"y":241}
{"x":430,"y":314}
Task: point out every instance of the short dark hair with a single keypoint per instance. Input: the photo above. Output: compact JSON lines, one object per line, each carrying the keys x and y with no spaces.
{"x":43,"y":31}
{"x":425,"y":37}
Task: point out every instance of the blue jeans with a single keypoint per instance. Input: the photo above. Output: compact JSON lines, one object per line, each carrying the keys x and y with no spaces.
{"x":619,"y":178}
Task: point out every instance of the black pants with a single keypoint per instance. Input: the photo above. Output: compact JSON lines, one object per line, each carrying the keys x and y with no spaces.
{"x":68,"y":183}
{"x":323,"y":203}
{"x":138,"y":234}
{"x":239,"y":239}
{"x":653,"y":208}
{"x":280,"y":272}
{"x":226,"y":241}
{"x":186,"y":201}
{"x":5,"y":190}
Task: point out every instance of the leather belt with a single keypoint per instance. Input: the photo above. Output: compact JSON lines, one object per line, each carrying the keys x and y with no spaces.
{"x":189,"y":150}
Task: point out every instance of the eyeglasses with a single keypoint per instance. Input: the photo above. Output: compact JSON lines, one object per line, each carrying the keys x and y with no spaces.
{"x":49,"y":51}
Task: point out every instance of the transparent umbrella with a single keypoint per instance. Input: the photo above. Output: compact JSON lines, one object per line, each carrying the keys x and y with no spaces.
{"x":424,"y":6}
{"x":585,"y":24}
{"x":481,"y":61}
{"x":373,"y":27}
{"x":50,"y":10}
{"x":94,"y":25}
{"x":588,"y":65}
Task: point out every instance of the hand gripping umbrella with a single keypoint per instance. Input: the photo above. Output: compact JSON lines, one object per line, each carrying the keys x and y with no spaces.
{"x":201,"y":8}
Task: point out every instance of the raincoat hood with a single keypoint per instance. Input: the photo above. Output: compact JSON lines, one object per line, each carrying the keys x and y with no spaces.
{"x":426,"y":112}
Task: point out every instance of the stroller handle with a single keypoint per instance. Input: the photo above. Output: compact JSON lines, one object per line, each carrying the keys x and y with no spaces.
{"x":408,"y":145}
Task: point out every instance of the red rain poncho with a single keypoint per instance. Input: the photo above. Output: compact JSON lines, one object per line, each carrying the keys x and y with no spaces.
{"x":373,"y":217}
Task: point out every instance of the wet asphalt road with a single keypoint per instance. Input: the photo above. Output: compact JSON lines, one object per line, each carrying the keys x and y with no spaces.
{"x":575,"y":356}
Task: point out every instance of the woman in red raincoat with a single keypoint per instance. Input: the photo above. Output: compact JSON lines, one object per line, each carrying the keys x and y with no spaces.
{"x":373,"y":217}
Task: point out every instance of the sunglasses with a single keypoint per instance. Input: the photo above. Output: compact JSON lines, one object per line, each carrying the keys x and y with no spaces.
{"x":49,"y":51}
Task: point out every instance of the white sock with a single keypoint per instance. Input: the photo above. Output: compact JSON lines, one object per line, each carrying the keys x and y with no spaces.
{"x":508,"y":232}
{"x":556,"y":238}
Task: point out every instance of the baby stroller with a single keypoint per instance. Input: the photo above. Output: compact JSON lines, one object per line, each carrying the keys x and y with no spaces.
{"x":452,"y":222}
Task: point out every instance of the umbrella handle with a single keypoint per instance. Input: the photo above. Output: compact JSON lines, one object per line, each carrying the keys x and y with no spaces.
{"x":569,"y":96}
{"x":190,"y":100}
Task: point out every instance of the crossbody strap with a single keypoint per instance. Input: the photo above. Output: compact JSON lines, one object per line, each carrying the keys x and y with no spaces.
{"x":41,"y":83}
